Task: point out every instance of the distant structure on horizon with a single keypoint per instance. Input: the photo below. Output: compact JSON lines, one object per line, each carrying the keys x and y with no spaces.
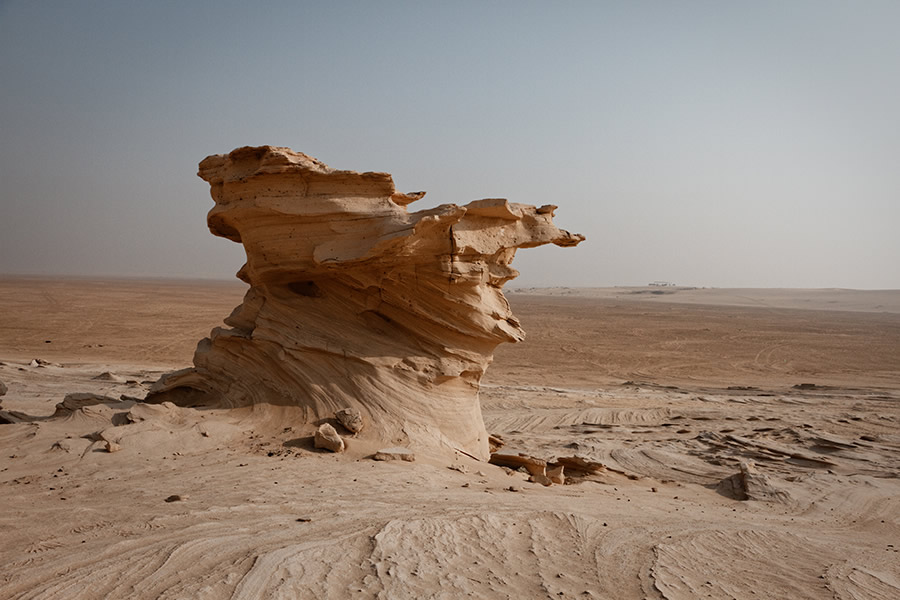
{"x":661,"y":284}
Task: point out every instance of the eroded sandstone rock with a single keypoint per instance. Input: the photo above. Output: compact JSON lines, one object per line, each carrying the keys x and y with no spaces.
{"x":751,"y":484}
{"x":534,"y":466}
{"x":556,"y":473}
{"x":356,"y":302}
{"x":327,"y":438}
{"x":396,"y":453}
{"x":351,"y":419}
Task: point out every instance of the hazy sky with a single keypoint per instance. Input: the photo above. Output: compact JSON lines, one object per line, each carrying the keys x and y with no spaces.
{"x":706,"y":143}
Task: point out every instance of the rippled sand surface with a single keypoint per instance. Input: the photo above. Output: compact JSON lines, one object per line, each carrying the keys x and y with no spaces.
{"x":672,"y":396}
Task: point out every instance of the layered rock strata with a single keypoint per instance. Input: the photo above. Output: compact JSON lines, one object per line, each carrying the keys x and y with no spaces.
{"x":355,"y":302}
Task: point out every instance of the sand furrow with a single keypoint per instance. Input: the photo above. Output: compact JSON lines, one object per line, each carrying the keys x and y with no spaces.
{"x":743,"y":564}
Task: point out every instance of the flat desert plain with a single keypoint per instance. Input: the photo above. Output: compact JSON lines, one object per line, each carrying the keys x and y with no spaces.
{"x":750,"y":442}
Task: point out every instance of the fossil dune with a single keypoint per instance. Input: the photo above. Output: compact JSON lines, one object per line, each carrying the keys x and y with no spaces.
{"x":355,"y":302}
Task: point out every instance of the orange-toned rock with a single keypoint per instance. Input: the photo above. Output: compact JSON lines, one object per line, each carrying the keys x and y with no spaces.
{"x":356,"y":302}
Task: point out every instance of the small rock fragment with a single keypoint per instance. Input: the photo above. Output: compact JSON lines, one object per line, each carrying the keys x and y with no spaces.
{"x":174,"y":498}
{"x":541,"y":479}
{"x":495,"y":442}
{"x":351,"y":419}
{"x":396,"y":453}
{"x":328,"y":439}
{"x":112,"y":447}
{"x":64,"y":445}
{"x":555,"y":472}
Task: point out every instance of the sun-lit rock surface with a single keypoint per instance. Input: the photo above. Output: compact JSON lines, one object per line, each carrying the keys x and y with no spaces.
{"x":354,"y":302}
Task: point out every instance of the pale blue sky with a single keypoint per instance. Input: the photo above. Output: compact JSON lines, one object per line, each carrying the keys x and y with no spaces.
{"x":751,"y":144}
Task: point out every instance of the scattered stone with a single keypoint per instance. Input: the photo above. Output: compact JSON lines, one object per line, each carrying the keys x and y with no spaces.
{"x":512,"y":488}
{"x":351,"y":419}
{"x":541,"y":479}
{"x":64,"y":445}
{"x":174,"y":498}
{"x":328,"y":439}
{"x":304,"y":520}
{"x":112,"y":447}
{"x":495,"y":442}
{"x":459,"y":467}
{"x":395,"y":453}
{"x":556,"y":473}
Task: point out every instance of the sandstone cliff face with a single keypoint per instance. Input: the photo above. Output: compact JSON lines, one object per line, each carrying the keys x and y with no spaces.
{"x":356,"y":302}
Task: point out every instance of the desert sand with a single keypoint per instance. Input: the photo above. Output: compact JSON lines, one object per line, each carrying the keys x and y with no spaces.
{"x":672,"y":397}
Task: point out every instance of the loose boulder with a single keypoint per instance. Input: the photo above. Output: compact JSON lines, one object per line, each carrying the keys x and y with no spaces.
{"x":351,"y":419}
{"x":327,"y":438}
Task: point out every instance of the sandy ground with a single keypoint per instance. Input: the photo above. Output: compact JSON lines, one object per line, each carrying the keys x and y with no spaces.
{"x":670,"y":391}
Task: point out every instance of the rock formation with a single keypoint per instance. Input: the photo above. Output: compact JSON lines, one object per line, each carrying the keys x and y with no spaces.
{"x":354,"y":302}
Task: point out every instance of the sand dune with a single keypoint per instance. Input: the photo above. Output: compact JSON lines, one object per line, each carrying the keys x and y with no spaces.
{"x":672,"y":398}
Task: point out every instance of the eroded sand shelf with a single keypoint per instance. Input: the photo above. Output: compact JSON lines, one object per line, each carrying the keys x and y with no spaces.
{"x":356,"y":302}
